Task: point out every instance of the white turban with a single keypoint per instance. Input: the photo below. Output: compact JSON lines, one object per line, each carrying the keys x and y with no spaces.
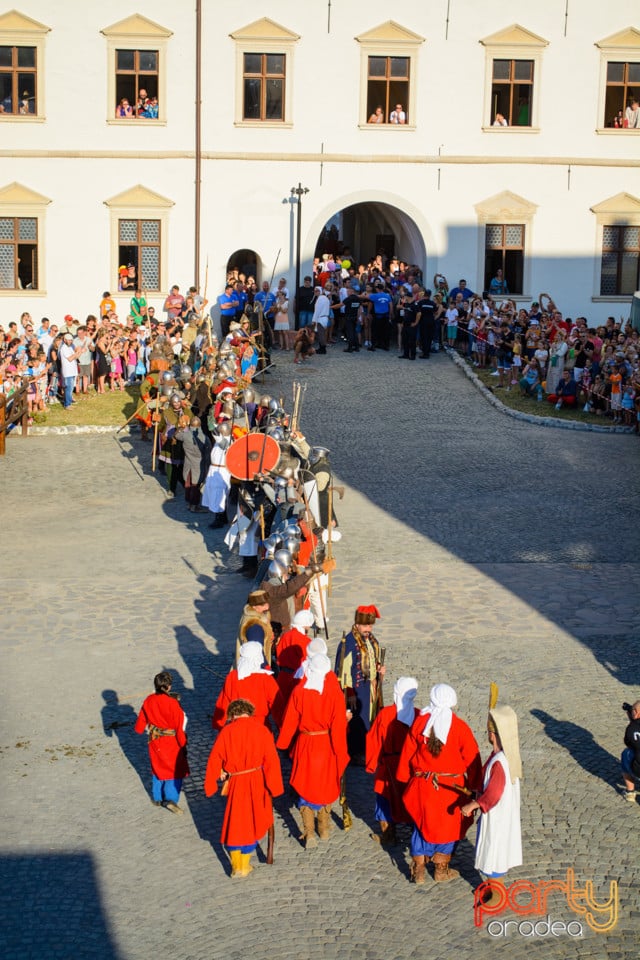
{"x":317,"y":645}
{"x":303,"y":619}
{"x":443,"y":699}
{"x":250,"y":660}
{"x":319,"y":666}
{"x":404,"y":693}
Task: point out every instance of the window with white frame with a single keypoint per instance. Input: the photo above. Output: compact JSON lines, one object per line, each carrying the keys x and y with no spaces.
{"x":618,"y":246}
{"x":136,"y":80}
{"x":22,"y":213}
{"x":504,"y":250}
{"x":264,"y":71}
{"x":619,"y":81}
{"x":139,"y":239}
{"x":512,"y":79}
{"x":21,"y":67}
{"x":388,"y":76}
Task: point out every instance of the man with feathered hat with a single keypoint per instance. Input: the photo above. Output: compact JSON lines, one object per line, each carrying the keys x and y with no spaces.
{"x":360,"y":670}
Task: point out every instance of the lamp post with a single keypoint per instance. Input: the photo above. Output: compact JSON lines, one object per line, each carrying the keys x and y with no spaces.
{"x":297,"y":194}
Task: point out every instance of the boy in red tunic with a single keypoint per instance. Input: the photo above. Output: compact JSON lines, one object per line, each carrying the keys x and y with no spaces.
{"x":163,"y":719}
{"x":244,"y":757}
{"x":250,"y":681}
{"x":384,"y":744}
{"x":440,"y":755}
{"x":316,"y":712}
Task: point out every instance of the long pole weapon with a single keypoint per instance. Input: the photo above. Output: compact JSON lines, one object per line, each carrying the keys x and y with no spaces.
{"x":347,"y":820}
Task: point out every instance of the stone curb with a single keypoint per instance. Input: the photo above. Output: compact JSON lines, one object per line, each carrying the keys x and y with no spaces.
{"x":529,"y":417}
{"x":64,"y":431}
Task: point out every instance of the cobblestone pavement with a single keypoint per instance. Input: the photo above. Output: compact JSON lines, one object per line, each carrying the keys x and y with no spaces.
{"x":495,"y":550}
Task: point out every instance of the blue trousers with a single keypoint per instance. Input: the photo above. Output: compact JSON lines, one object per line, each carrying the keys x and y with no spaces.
{"x":165,"y":790}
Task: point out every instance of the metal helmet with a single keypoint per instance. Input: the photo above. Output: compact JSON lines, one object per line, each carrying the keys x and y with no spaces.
{"x":265,"y":400}
{"x":271,"y":544}
{"x":228,"y":408}
{"x":276,"y":570}
{"x":273,"y":405}
{"x":249,"y":395}
{"x":167,"y":376}
{"x":166,"y":390}
{"x":175,"y":399}
{"x":292,"y":546}
{"x":283,"y":557}
{"x":185,"y":371}
{"x":278,"y":414}
{"x":318,"y":453}
{"x":277,"y":433}
{"x":224,"y":429}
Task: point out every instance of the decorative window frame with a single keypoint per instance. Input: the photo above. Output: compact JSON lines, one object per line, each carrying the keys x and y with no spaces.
{"x":621,"y":210}
{"x":17,"y":200}
{"x":264,"y":36}
{"x":136,"y":33}
{"x":138,"y":203}
{"x":513,"y":43}
{"x":389,"y":39}
{"x":505,"y":208}
{"x":624,"y":46}
{"x":17,"y":30}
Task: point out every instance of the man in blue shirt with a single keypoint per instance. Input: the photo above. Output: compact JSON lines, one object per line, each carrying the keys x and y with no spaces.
{"x":228,"y":303}
{"x":463,"y":289}
{"x":382,"y":304}
{"x":267,"y":301}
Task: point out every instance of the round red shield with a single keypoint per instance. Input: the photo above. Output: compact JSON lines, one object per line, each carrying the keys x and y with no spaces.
{"x":251,"y":454}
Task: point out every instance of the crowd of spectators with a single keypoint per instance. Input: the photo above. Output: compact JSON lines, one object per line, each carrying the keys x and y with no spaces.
{"x":532,"y":349}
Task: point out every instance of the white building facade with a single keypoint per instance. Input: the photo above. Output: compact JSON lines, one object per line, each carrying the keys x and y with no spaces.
{"x":514,"y":151}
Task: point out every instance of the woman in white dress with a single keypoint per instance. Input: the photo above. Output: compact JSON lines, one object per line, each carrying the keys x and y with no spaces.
{"x":281,"y":324}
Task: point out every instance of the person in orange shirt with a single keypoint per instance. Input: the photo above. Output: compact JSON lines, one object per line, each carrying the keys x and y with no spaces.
{"x":615,"y":381}
{"x":107,"y":305}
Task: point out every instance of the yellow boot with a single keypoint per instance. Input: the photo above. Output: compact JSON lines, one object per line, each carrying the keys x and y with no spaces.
{"x":236,"y":863}
{"x":246,"y":866}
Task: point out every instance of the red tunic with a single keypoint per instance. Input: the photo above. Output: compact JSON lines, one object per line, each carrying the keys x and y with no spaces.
{"x":245,"y":748}
{"x":290,"y":652}
{"x":436,"y":812}
{"x":320,"y":754}
{"x":260,"y":689}
{"x":383,"y":747}
{"x":168,"y":755}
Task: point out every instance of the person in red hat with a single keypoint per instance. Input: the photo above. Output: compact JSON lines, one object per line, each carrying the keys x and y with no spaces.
{"x":360,"y":671}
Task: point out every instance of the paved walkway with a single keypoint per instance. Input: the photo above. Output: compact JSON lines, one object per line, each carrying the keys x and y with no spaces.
{"x":494,"y":549}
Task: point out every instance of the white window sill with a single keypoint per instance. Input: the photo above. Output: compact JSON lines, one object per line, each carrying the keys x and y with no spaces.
{"x":614,"y":298}
{"x":516,"y":129}
{"x":136,"y":122}
{"x":394,"y":127}
{"x":21,"y":118}
{"x":23,"y":293}
{"x":617,"y":132}
{"x":261,"y":124}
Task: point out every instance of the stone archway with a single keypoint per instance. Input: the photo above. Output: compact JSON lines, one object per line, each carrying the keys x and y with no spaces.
{"x":370,"y":227}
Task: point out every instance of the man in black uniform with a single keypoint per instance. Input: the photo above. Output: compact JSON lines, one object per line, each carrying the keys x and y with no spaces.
{"x":351,"y":304}
{"x":426,"y":313}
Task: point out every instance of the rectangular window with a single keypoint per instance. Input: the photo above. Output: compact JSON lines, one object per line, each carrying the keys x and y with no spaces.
{"x":623,"y":86}
{"x":18,"y":80}
{"x":263,"y":77}
{"x":387,"y":88}
{"x":18,"y":253}
{"x":504,"y":250}
{"x":139,"y":244}
{"x":137,"y":84}
{"x":620,"y":274}
{"x":512,"y":91}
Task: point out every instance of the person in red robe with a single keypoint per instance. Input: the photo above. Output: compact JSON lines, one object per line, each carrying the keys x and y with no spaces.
{"x":250,"y":681}
{"x":164,"y":721}
{"x":292,"y":650}
{"x":244,"y":758}
{"x":440,"y":755}
{"x":316,"y":713}
{"x":384,"y":744}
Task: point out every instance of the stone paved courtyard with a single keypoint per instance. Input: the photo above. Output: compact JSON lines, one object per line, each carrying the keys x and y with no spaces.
{"x":495,"y":550}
